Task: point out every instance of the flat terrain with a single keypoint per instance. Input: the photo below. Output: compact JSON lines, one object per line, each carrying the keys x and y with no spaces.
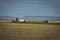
{"x":21,"y":31}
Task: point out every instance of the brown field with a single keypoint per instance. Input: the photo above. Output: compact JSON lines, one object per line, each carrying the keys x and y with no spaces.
{"x":23,"y":31}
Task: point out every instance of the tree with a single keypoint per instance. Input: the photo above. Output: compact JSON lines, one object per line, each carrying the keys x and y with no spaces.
{"x":17,"y":20}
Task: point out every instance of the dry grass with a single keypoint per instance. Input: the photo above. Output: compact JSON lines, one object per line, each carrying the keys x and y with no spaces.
{"x":18,"y":31}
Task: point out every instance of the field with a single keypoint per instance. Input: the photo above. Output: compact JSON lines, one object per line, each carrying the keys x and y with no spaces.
{"x":23,"y":31}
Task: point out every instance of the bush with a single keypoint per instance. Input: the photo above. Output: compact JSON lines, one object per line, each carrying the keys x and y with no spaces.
{"x":45,"y":21}
{"x":13,"y":21}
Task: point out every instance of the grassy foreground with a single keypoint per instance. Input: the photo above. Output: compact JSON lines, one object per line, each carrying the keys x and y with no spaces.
{"x":20,"y":31}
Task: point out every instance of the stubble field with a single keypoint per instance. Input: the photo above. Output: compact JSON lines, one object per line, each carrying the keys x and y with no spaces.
{"x":22,"y":31}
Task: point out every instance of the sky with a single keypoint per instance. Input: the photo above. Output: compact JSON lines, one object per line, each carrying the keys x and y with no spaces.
{"x":29,"y":8}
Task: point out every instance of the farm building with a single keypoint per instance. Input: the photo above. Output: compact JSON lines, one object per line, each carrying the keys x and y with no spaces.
{"x":22,"y":20}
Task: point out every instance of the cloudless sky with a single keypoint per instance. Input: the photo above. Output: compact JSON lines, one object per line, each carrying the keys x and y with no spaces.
{"x":29,"y":8}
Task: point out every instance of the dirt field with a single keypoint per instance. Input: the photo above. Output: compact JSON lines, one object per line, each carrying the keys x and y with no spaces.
{"x":20,"y":31}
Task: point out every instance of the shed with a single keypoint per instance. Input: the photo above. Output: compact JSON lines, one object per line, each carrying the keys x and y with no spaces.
{"x":22,"y":20}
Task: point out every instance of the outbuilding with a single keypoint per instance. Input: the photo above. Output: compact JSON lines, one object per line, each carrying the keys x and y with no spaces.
{"x":21,"y":20}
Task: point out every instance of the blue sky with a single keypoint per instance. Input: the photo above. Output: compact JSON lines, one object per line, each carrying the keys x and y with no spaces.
{"x":29,"y":8}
